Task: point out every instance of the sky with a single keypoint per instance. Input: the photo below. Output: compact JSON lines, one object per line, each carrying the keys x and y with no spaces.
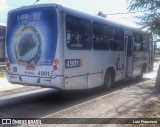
{"x":89,"y":6}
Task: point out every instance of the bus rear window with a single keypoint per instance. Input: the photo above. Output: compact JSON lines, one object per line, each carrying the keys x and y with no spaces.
{"x":78,"y":33}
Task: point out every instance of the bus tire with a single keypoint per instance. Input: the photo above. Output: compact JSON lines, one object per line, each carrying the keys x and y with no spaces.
{"x":108,"y":80}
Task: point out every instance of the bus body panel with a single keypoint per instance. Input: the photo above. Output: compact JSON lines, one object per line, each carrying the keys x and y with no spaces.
{"x":94,"y":64}
{"x":76,"y":62}
{"x":77,"y":77}
{"x":40,"y":51}
{"x":140,"y":59}
{"x":102,"y":60}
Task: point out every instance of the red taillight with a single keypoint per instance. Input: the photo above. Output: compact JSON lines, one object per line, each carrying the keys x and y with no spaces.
{"x":55,"y":67}
{"x":55,"y":64}
{"x":8,"y":64}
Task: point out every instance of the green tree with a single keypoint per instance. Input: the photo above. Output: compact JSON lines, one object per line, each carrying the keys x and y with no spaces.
{"x":151,"y":16}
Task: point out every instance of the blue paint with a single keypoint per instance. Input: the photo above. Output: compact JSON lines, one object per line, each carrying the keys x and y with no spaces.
{"x":32,"y":36}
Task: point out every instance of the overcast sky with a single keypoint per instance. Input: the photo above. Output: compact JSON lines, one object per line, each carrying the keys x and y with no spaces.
{"x":89,"y":6}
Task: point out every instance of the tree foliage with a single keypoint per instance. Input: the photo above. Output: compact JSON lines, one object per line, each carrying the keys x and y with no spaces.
{"x":151,"y":17}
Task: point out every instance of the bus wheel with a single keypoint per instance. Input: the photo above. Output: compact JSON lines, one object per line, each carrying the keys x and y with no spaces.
{"x":108,"y":81}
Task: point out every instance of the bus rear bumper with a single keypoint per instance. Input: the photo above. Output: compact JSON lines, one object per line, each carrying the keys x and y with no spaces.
{"x":46,"y":82}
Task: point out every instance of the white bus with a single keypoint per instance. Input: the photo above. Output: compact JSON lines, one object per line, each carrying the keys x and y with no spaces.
{"x":53,"y":46}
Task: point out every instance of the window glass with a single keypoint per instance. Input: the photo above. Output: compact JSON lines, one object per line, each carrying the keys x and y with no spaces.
{"x":116,"y":38}
{"x":145,"y":43}
{"x":100,"y":36}
{"x":137,"y":42}
{"x":130,"y":46}
{"x":78,"y":33}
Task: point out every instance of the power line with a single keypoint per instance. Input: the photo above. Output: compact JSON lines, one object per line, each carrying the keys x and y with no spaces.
{"x":105,"y":14}
{"x":124,"y":13}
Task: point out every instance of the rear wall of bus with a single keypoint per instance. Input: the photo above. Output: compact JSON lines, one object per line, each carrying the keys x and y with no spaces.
{"x":35,"y":55}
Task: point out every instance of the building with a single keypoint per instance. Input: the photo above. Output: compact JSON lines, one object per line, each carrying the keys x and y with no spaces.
{"x":2,"y":43}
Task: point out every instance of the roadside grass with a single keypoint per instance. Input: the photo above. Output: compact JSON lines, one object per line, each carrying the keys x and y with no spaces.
{"x":2,"y":74}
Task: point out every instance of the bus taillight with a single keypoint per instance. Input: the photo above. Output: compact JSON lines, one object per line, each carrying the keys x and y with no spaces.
{"x":55,"y":67}
{"x":56,"y":61}
{"x":7,"y":62}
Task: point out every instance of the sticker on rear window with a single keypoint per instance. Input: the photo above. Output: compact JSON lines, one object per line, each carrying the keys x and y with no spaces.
{"x":32,"y":36}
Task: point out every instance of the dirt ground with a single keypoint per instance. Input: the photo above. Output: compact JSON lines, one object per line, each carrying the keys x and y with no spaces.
{"x":150,"y":108}
{"x":136,"y":101}
{"x":141,"y":100}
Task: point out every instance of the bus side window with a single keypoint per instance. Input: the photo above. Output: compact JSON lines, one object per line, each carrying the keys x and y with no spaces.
{"x":78,"y":33}
{"x":145,"y":43}
{"x":130,"y":46}
{"x":100,"y":36}
{"x":137,"y":42}
{"x":116,"y":38}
